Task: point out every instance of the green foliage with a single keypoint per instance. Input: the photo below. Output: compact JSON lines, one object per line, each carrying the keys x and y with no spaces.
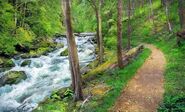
{"x":68,"y":92}
{"x":116,"y":79}
{"x":174,"y":77}
{"x":84,"y":19}
{"x":23,"y":22}
{"x":24,"y":36}
{"x":7,"y":44}
{"x":64,"y":53}
{"x":45,"y":19}
{"x":173,"y":104}
{"x":52,"y":106}
{"x":110,"y":42}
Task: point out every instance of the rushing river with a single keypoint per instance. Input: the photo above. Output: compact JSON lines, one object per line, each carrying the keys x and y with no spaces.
{"x":45,"y":74}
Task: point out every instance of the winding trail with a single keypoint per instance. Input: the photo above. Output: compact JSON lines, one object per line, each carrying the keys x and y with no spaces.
{"x":145,"y":91}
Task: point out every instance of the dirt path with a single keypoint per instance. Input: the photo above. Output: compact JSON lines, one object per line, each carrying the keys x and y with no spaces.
{"x":144,"y":92}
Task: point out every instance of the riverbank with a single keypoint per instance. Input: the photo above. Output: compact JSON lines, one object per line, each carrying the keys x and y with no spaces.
{"x":104,"y":86}
{"x":39,"y":76}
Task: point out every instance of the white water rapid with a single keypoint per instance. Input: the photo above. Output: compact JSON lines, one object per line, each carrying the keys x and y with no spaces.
{"x":44,"y":75}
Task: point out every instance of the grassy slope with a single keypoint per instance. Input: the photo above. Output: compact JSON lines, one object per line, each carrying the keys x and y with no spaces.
{"x":174,"y":97}
{"x":117,"y":79}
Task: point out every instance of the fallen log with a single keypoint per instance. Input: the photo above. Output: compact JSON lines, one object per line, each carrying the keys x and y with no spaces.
{"x":127,"y":57}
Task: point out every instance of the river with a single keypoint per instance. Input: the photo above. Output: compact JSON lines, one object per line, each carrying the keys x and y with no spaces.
{"x":44,"y":75}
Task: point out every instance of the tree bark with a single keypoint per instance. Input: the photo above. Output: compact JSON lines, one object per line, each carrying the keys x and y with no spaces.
{"x":119,"y":35}
{"x":100,"y":34}
{"x":167,"y":15}
{"x":182,"y":13}
{"x":73,"y":56}
{"x":129,"y":25}
{"x":96,"y":5}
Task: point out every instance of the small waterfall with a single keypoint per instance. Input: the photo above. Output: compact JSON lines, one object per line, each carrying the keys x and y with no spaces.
{"x":45,"y":74}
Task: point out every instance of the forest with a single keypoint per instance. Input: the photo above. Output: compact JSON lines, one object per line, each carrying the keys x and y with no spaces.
{"x":92,"y":55}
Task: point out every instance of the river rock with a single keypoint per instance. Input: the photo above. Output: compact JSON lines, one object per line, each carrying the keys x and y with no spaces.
{"x":64,"y":53}
{"x":25,"y":63}
{"x":5,"y":63}
{"x":12,"y":77}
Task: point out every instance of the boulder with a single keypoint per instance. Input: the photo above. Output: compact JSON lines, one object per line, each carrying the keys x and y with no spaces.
{"x":12,"y":77}
{"x":1,"y":61}
{"x":25,"y":63}
{"x":5,"y":63}
{"x":64,"y":53}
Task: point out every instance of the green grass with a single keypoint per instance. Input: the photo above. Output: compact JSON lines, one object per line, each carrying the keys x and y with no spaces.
{"x":174,"y":97}
{"x":52,"y":106}
{"x":117,"y":80}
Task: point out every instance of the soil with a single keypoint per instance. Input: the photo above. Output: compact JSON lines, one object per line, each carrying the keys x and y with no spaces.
{"x":145,"y":90}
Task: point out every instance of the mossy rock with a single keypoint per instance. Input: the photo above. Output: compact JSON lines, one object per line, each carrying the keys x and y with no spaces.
{"x":25,"y":55}
{"x":4,"y":63}
{"x":1,"y":61}
{"x":64,"y":53}
{"x":59,"y":45}
{"x":38,"y":52}
{"x":25,"y":63}
{"x":12,"y":77}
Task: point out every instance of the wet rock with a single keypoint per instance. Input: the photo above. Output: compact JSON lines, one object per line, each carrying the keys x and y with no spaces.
{"x":25,"y":63}
{"x":64,"y":53}
{"x":1,"y":61}
{"x":22,"y":48}
{"x":5,"y":63}
{"x":54,"y":68}
{"x":85,"y":70}
{"x":4,"y":69}
{"x":37,"y":65}
{"x":12,"y":77}
{"x":59,"y":45}
{"x":56,"y":61}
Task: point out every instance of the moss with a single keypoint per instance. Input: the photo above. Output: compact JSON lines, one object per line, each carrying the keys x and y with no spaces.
{"x":9,"y":63}
{"x":12,"y":77}
{"x":5,"y":63}
{"x":64,"y":53}
{"x":25,"y":63}
{"x":40,"y":51}
{"x":52,"y":106}
{"x":58,"y":101}
{"x":42,"y":47}
{"x":1,"y":61}
{"x":111,"y":62}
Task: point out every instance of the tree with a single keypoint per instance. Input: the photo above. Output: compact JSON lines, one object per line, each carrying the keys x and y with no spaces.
{"x":97,"y":5}
{"x":73,"y":56}
{"x":120,"y":34}
{"x":182,"y":13}
{"x":129,"y":24}
{"x":151,"y":12}
{"x":166,"y":3}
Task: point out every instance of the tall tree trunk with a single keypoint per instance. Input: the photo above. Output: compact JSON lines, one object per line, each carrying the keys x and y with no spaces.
{"x":100,"y":33}
{"x":182,"y":13}
{"x":167,"y":15}
{"x":119,"y":35}
{"x":96,"y":5}
{"x":97,"y":30}
{"x":73,"y":56}
{"x":129,"y":25}
{"x":151,"y":13}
